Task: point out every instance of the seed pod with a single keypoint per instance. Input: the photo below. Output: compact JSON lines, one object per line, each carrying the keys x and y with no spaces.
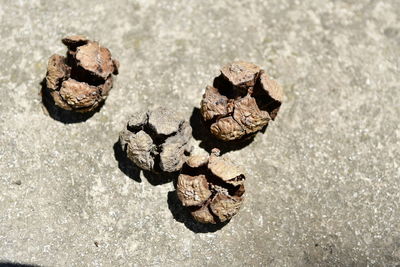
{"x":80,"y":81}
{"x":211,"y":187}
{"x":157,"y":141}
{"x":241,"y":101}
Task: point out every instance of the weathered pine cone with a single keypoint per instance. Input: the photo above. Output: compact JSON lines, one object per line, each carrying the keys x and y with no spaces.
{"x":211,"y":187}
{"x":241,"y":101}
{"x":157,"y":141}
{"x":82,"y":80}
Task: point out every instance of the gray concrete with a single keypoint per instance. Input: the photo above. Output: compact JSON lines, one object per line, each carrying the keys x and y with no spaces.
{"x":323,"y":181}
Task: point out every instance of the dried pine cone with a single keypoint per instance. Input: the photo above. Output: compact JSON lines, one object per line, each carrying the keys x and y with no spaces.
{"x":211,"y":187}
{"x":157,"y":140}
{"x":241,"y":102}
{"x":82,"y":80}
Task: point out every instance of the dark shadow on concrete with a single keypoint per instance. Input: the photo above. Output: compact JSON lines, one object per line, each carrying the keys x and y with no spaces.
{"x":125,"y":165}
{"x":14,"y":264}
{"x":160,"y":178}
{"x":182,"y":215}
{"x":59,"y":114}
{"x":202,"y":133}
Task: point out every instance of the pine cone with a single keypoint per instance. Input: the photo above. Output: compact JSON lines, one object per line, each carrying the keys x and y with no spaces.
{"x":241,"y":102}
{"x":211,"y":187}
{"x":157,"y":140}
{"x":80,"y":81}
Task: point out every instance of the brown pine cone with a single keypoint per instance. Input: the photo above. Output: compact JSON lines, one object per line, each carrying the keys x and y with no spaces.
{"x":241,"y":101}
{"x":212,"y":187}
{"x":82,"y":80}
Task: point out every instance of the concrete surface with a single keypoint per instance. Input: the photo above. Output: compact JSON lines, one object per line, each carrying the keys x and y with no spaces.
{"x":323,"y":181}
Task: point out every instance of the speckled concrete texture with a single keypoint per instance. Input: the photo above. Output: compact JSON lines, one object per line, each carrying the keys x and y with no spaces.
{"x":323,"y":181}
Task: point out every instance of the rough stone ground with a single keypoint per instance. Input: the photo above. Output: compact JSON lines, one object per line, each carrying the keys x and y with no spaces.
{"x":323,"y":181}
